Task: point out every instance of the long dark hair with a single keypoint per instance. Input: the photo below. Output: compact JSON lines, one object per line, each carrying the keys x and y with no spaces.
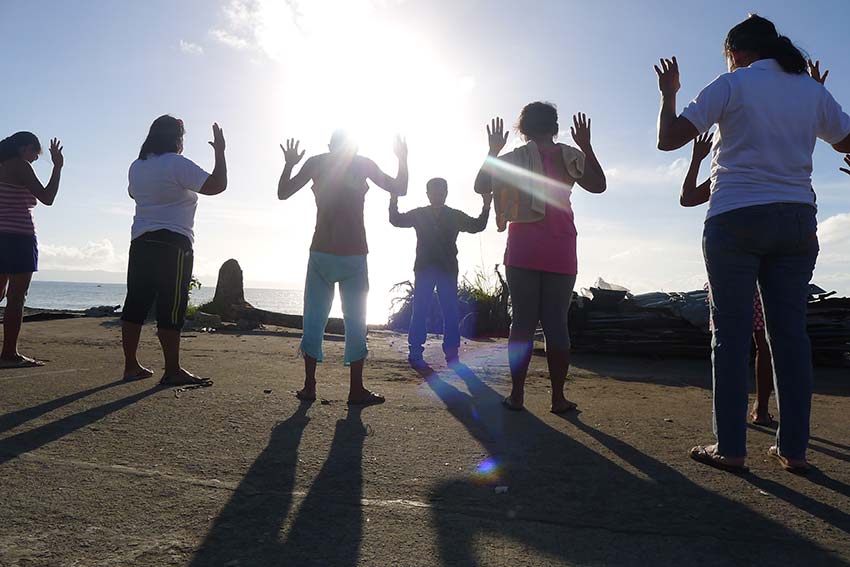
{"x":165,"y":136}
{"x":538,"y":119}
{"x":11,"y":146}
{"x":759,"y":35}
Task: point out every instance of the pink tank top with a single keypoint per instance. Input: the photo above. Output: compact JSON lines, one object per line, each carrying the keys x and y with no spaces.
{"x":16,"y":205}
{"x":548,"y":245}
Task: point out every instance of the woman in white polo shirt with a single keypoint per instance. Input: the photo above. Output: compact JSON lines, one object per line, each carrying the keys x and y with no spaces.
{"x":165,"y":187}
{"x":761,"y":225}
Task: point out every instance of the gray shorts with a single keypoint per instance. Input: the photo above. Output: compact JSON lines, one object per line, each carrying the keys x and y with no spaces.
{"x":540,"y":297}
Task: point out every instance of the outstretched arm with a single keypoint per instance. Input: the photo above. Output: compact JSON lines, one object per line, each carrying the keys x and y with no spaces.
{"x":674,"y":131}
{"x":287,"y":186}
{"x":593,"y":179}
{"x":693,"y":195}
{"x":398,"y":185}
{"x":474,"y":225}
{"x":401,"y":220}
{"x":496,"y":139}
{"x":814,"y":70}
{"x":23,"y":171}
{"x":217,"y":181}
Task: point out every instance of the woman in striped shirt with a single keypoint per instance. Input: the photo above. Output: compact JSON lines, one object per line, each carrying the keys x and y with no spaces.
{"x":20,"y":191}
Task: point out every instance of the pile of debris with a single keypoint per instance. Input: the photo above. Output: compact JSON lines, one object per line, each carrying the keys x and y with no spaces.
{"x":608,"y":319}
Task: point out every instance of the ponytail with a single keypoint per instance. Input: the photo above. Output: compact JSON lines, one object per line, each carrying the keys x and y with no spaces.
{"x":759,"y":35}
{"x":11,"y":146}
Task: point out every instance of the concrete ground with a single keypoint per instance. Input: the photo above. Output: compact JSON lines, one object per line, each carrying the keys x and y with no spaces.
{"x":94,"y":471}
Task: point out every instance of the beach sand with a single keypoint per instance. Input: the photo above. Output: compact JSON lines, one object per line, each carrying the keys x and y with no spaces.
{"x":100,"y":472}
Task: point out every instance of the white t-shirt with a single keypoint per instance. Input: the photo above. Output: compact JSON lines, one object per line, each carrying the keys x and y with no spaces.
{"x":165,"y":188}
{"x":768,"y":122}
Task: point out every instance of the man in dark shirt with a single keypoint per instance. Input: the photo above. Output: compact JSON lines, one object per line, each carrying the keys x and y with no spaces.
{"x":437,"y":227}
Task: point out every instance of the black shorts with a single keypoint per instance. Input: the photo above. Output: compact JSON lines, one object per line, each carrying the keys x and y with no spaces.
{"x":159,"y":269}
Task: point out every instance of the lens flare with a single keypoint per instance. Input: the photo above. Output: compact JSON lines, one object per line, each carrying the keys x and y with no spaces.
{"x":488,"y":471}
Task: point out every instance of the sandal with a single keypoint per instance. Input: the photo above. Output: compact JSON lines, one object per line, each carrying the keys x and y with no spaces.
{"x":570,"y":407}
{"x":769,"y":422}
{"x":370,"y":400}
{"x":791,"y":465}
{"x":304,"y":397}
{"x":185,"y":380}
{"x":141,"y":374}
{"x":20,"y":361}
{"x":707,"y":455}
{"x":507,"y":403}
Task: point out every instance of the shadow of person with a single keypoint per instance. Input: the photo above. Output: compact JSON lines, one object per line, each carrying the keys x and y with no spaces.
{"x":604,"y":502}
{"x":26,"y":441}
{"x":247,"y":529}
{"x":14,"y":419}
{"x":327,"y":529}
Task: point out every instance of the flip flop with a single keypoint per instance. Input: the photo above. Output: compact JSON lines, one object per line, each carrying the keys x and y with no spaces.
{"x":769,"y":422}
{"x":702,"y":455}
{"x":138,"y":375}
{"x":22,"y":362}
{"x":507,"y":403}
{"x":571,"y":407}
{"x":193,"y":382}
{"x":370,"y":400}
{"x":786,"y":464}
{"x":304,"y":397}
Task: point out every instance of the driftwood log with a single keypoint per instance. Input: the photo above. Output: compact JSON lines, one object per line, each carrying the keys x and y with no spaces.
{"x":229,"y":303}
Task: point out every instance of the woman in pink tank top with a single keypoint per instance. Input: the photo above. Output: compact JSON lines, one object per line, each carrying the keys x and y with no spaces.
{"x":533,"y":185}
{"x":20,"y":191}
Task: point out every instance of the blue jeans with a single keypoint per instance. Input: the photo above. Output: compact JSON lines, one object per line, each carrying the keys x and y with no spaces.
{"x":775,"y":245}
{"x":324,"y":271}
{"x":423,"y":292}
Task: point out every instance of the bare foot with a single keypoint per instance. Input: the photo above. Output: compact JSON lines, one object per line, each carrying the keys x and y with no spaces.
{"x":136,"y":372}
{"x":365,"y":398}
{"x":184,"y":378}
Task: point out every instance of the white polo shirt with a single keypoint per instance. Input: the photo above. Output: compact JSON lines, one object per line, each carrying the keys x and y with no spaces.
{"x":165,"y":188}
{"x":768,"y":122}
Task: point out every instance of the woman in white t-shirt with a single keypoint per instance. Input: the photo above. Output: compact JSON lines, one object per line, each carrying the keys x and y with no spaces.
{"x":761,"y":227}
{"x":165,"y":187}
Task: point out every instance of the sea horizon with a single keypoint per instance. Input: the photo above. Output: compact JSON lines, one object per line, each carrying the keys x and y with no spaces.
{"x":79,"y":296}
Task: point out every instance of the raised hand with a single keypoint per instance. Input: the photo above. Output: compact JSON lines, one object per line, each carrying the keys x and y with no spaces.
{"x":56,"y":153}
{"x":814,"y":71}
{"x":400,"y":148}
{"x":487,"y":198}
{"x":218,"y":138}
{"x":580,"y":130}
{"x":668,"y":76}
{"x":847,"y":161}
{"x":290,"y":152}
{"x":702,"y":146}
{"x":496,"y":136}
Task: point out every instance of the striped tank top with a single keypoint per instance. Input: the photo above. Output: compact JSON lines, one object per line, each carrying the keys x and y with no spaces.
{"x":16,"y":205}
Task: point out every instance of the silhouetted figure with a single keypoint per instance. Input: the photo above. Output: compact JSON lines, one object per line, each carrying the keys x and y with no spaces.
{"x":761,"y":227}
{"x":165,"y":187}
{"x":339,"y":249}
{"x":437,"y":227}
{"x":532,"y":186}
{"x":20,"y":192}
{"x":693,"y":195}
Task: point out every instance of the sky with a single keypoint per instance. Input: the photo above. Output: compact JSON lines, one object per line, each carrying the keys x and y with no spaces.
{"x":96,"y":73}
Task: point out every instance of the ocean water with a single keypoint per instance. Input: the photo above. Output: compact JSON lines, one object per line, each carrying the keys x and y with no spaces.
{"x":79,"y":296}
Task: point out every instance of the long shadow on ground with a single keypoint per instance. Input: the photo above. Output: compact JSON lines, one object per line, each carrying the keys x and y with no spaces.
{"x":24,"y":442}
{"x":570,"y":503}
{"x":327,"y":529}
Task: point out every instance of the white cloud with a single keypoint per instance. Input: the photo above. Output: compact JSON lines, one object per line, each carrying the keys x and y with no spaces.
{"x":96,"y":255}
{"x":191,"y":48}
{"x":835,"y":231}
{"x":229,"y":39}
